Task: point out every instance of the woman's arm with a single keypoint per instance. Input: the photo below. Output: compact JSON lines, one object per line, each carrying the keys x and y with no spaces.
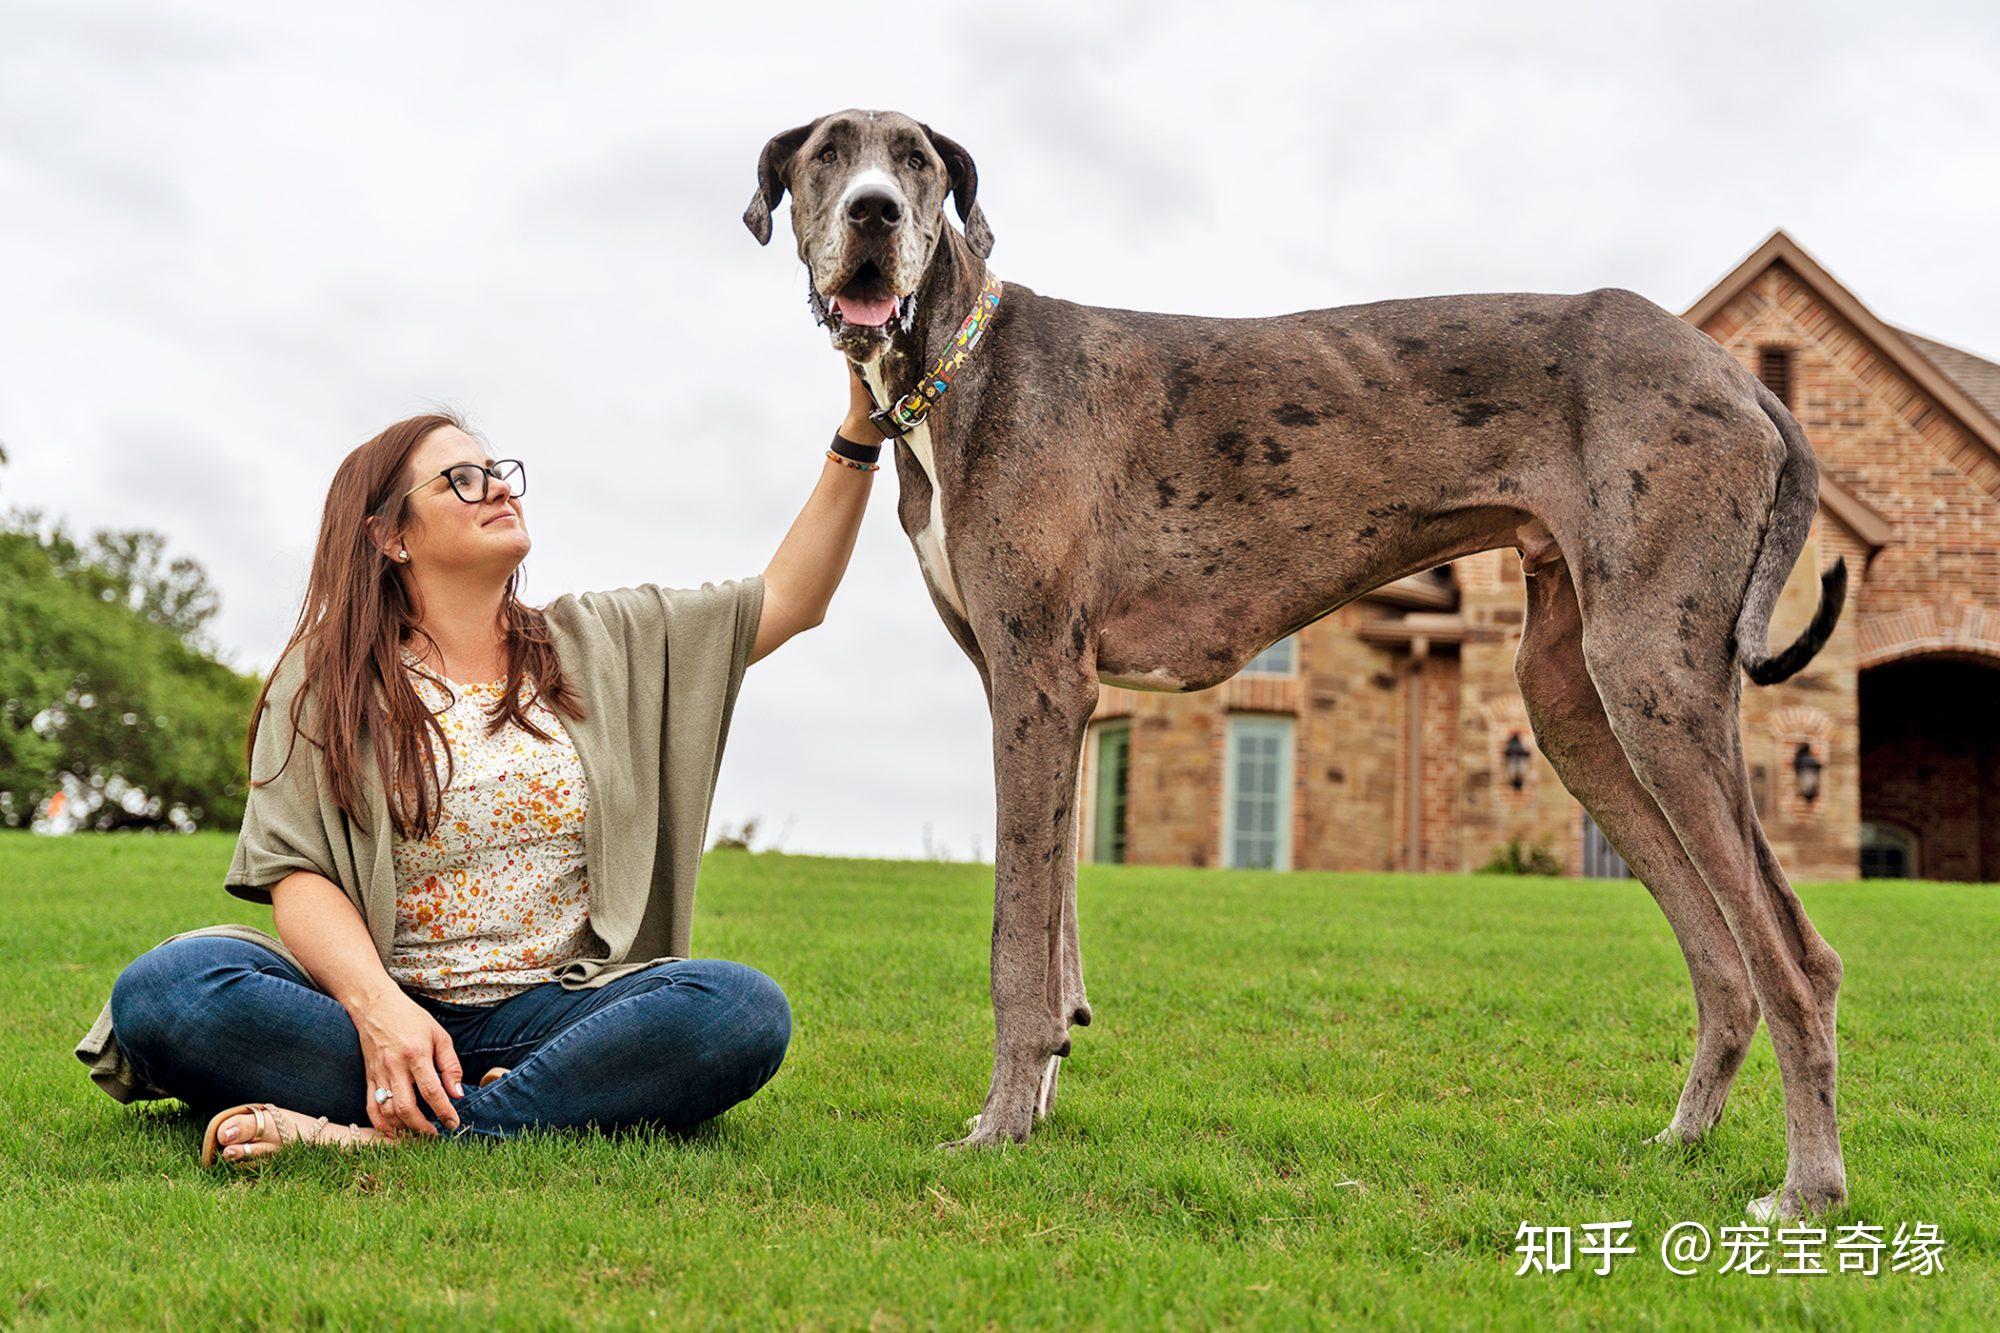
{"x":403,"y":1047}
{"x":799,"y":581}
{"x":321,"y":926}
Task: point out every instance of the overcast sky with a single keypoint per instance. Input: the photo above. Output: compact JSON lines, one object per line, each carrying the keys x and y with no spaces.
{"x":237,"y":240}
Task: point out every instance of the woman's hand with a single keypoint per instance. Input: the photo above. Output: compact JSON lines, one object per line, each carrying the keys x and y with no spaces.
{"x":858,"y":427}
{"x":407,"y":1052}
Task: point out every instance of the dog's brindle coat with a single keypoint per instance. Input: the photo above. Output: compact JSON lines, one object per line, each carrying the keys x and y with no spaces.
{"x":1149,"y":500}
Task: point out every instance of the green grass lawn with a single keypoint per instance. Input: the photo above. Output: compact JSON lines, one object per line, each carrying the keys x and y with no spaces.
{"x":1307,"y":1098}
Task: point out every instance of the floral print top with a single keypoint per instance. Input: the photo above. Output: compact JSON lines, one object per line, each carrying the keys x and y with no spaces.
{"x":499,"y":896}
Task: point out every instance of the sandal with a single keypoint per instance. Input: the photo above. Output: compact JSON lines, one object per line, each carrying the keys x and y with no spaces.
{"x":267,"y":1117}
{"x":492,"y":1074}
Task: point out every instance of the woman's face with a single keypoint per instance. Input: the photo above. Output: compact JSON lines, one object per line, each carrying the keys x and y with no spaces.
{"x":445,"y":532}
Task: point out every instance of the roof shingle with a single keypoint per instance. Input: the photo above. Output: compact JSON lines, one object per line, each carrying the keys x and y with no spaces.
{"x":1976,"y":377}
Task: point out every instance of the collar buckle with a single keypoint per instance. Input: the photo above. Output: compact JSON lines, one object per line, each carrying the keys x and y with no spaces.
{"x":888,"y":421}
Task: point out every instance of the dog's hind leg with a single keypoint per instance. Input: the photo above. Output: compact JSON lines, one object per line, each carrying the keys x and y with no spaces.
{"x":1671,"y":697}
{"x":1041,"y":704}
{"x":1573,"y":733}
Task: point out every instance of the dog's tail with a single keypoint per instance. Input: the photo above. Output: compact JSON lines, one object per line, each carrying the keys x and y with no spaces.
{"x":1784,"y":537}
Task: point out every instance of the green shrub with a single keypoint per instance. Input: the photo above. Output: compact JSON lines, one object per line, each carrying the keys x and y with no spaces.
{"x":1514,"y":859}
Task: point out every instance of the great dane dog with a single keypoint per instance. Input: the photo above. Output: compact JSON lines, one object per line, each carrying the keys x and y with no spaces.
{"x":1148,"y":500}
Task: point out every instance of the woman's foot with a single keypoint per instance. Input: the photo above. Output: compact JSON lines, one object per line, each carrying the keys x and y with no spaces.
{"x":261,"y":1129}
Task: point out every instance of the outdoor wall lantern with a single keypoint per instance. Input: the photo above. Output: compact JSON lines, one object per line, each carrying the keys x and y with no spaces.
{"x":1806,"y":767}
{"x":1516,"y":755}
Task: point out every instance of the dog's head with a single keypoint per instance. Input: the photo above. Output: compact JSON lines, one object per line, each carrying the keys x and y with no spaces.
{"x":868,"y":191}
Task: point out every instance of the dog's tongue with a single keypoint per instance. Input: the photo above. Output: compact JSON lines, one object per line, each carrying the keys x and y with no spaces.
{"x":872,"y":312}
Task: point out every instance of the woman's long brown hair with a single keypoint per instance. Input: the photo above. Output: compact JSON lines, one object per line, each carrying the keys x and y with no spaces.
{"x":358,"y":610}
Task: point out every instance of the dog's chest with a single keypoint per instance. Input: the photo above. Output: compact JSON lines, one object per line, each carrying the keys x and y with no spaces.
{"x":930,"y":540}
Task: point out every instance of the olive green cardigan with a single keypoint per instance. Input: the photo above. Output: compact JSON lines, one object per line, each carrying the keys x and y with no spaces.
{"x":657,"y":671}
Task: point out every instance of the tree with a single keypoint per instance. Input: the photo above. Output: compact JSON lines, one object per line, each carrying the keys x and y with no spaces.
{"x":130,"y":565}
{"x":108,"y":689}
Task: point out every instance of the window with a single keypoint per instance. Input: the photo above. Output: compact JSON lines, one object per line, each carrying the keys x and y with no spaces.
{"x":1280,"y":659}
{"x":1887,"y":852}
{"x":1114,"y":752}
{"x":1257,"y":794}
{"x":1774,"y":367}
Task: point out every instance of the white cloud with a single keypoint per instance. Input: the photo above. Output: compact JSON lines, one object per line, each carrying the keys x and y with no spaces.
{"x":235,"y":242}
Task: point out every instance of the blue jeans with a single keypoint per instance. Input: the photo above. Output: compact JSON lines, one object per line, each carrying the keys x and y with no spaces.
{"x":216,"y":1021}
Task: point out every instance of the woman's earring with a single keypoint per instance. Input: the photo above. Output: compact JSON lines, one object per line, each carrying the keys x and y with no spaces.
{"x":403,"y":555}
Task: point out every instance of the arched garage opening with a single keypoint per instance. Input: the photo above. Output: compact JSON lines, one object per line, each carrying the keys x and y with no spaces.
{"x":1930,"y":768}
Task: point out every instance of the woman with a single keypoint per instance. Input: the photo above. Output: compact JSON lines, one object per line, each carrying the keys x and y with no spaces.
{"x":478,"y":824}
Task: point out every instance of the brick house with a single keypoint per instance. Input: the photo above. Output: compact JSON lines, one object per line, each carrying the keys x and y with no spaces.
{"x":1389,"y":735}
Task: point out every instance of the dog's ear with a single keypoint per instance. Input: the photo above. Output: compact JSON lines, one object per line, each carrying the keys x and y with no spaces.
{"x":773,"y":168}
{"x":964,"y":177}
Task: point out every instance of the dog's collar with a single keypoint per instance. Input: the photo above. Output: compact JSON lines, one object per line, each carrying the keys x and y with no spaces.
{"x":908,"y":412}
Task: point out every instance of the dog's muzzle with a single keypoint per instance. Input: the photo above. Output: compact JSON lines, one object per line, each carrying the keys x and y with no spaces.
{"x":842,"y":330}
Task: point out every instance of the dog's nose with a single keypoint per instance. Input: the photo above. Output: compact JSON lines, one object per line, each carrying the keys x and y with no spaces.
{"x":874,"y":208}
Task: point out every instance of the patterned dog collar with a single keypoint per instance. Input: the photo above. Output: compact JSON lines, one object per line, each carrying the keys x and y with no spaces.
{"x":909,"y":411}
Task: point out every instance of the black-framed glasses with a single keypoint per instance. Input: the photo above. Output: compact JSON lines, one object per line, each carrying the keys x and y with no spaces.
{"x":468,"y":480}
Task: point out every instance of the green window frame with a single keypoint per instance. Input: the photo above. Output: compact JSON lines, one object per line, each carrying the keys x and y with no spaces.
{"x":1113,"y":766}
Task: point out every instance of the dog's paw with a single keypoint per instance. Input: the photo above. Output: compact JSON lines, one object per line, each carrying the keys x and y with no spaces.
{"x":981,"y":1139}
{"x":979,"y":1135}
{"x":1677,"y":1133}
{"x":1786,"y":1205}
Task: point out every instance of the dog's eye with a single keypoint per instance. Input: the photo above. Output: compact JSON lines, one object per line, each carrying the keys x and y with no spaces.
{"x":917,"y":162}
{"x":829,"y":155}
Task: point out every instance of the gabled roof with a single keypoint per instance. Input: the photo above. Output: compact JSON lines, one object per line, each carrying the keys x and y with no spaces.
{"x":1966,"y":386}
{"x":1976,"y":375}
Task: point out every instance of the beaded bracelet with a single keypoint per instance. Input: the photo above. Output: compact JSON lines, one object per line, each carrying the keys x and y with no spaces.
{"x":848,"y":462}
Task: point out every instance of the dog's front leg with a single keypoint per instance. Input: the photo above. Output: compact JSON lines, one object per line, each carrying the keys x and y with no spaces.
{"x":1039,"y":715}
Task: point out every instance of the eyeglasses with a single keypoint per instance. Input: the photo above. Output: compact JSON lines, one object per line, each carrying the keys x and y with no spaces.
{"x":468,"y":480}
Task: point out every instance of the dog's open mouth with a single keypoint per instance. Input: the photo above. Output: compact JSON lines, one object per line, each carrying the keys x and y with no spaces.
{"x":866,"y":302}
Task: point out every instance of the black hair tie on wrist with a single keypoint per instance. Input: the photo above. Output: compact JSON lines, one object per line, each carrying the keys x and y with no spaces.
{"x":860,"y":453}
